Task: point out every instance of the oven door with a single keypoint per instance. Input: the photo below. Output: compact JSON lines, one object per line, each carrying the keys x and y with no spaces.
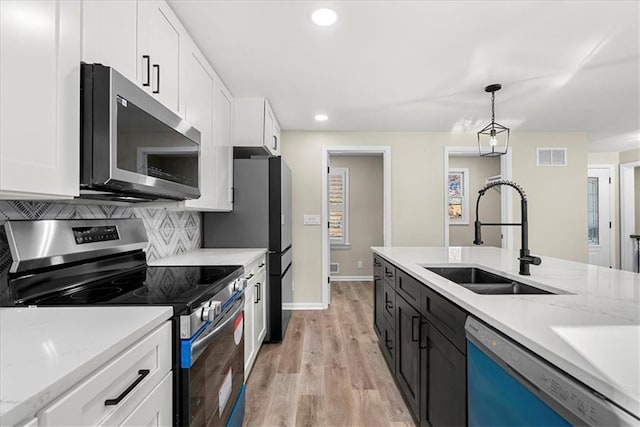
{"x":212,"y":368}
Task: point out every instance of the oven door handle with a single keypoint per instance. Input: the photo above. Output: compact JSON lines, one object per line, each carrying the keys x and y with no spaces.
{"x":201,"y":343}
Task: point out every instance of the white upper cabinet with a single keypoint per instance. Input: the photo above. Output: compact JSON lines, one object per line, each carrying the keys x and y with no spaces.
{"x":222,"y":145}
{"x":39,"y":102}
{"x":255,"y":125}
{"x":109,"y":31}
{"x":199,"y":90}
{"x":161,"y":38}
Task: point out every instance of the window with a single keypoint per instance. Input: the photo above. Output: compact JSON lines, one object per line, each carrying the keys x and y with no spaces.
{"x":458,"y":199}
{"x":339,"y":206}
{"x":592,"y":211}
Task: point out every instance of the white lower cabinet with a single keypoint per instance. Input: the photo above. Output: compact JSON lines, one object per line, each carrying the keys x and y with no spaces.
{"x":254,"y":312}
{"x":131,"y":389}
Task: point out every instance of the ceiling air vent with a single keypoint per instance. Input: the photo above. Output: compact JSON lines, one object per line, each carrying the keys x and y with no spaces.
{"x":552,"y":157}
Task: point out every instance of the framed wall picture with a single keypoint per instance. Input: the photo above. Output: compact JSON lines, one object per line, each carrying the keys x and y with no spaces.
{"x":458,"y":198}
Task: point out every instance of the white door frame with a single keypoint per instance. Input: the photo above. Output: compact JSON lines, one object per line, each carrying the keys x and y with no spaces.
{"x":612,"y":210}
{"x":506,"y":199}
{"x":386,"y":209}
{"x":627,"y":213}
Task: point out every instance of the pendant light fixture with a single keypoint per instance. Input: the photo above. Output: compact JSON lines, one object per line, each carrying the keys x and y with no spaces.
{"x":493,"y":139}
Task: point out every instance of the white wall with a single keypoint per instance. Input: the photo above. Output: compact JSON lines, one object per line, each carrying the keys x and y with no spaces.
{"x":557,"y":221}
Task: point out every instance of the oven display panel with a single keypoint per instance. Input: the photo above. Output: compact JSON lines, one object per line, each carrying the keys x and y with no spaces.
{"x":84,"y":235}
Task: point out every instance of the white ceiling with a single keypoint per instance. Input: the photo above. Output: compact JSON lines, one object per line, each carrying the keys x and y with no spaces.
{"x":423,"y":65}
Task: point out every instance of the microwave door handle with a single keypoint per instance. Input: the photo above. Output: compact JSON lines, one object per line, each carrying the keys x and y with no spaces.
{"x":201,"y":343}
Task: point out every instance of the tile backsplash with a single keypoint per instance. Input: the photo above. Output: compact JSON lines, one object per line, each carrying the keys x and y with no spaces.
{"x":169,"y":232}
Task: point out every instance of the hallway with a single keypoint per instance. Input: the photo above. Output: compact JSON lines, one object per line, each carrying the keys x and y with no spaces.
{"x":328,"y":371}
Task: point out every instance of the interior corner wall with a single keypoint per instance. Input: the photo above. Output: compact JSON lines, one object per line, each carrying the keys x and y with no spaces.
{"x":365,"y":220}
{"x":479,"y":169}
{"x":557,"y":221}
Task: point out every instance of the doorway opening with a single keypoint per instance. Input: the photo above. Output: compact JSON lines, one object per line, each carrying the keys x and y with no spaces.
{"x":600,"y":215}
{"x":458,"y":221}
{"x":629,"y":213}
{"x":341,"y":166}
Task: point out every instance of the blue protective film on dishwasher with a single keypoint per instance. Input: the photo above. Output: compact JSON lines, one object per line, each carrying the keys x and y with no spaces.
{"x":495,"y":398}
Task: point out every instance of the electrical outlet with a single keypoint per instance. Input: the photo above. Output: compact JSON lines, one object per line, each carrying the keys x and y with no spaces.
{"x":359,"y":265}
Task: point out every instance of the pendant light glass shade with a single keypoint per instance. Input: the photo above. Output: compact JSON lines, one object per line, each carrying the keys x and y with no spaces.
{"x":493,"y":139}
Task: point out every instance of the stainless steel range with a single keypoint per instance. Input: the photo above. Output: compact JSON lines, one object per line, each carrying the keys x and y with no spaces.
{"x":102,"y":262}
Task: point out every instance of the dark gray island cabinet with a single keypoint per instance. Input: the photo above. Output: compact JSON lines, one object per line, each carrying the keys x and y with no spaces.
{"x":421,"y":335}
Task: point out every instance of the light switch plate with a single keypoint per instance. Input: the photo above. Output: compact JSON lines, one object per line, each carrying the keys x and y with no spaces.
{"x":312,"y":219}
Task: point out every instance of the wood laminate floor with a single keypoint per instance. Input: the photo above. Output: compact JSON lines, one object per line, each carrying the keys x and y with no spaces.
{"x":328,"y":371}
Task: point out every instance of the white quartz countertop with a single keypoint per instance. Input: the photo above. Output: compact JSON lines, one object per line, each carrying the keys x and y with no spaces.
{"x":214,"y":256}
{"x":44,"y":351}
{"x":592,"y":331}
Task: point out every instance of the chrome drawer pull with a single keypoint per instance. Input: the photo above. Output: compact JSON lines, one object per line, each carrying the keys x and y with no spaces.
{"x":141,"y":374}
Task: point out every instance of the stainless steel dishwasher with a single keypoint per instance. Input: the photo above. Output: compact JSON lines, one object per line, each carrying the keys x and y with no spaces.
{"x":509,"y":386}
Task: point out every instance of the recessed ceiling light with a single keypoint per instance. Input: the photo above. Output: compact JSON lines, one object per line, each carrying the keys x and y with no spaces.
{"x":324,"y":17}
{"x":321,"y":117}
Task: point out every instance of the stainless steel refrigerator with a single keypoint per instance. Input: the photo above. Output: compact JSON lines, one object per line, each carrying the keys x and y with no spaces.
{"x":261,"y":218}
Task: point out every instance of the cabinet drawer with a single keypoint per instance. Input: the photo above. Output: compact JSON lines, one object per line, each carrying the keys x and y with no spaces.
{"x":447,"y":317}
{"x":388,"y":345}
{"x":408,"y":287}
{"x":155,"y":410}
{"x":389,"y":304}
{"x":389,"y":273}
{"x":85,"y":403}
{"x":377,"y":265}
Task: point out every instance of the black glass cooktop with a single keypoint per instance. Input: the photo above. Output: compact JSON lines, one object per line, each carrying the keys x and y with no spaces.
{"x":180,"y":287}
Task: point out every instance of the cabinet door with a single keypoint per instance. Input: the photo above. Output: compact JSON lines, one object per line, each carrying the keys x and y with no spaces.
{"x":260,"y":323}
{"x":223,"y":147}
{"x":268,"y":140}
{"x":408,"y":352}
{"x":156,"y":409}
{"x":444,"y":387}
{"x":160,"y":40}
{"x":198,"y":92}
{"x":249,"y":321}
{"x":40,"y":99}
{"x":388,"y":303}
{"x":378,"y":304}
{"x":109,"y":31}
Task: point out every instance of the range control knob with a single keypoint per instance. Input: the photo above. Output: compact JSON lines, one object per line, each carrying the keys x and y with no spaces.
{"x":210,"y":313}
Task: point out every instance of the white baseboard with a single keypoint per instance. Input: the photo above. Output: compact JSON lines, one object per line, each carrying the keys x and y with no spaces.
{"x":304,"y":306}
{"x":352,"y":278}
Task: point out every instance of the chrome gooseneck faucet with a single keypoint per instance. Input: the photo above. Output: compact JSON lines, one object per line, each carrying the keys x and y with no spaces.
{"x":525,"y":257}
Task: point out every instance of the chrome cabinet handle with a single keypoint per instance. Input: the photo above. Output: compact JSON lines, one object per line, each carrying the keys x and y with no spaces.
{"x":275,"y":142}
{"x":142,"y":373}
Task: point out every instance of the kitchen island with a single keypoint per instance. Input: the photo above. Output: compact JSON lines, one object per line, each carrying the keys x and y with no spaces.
{"x":590,"y":327}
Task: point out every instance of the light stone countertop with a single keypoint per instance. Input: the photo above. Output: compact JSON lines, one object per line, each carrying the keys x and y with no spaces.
{"x":212,"y":256}
{"x":44,"y":351}
{"x":592,"y":332}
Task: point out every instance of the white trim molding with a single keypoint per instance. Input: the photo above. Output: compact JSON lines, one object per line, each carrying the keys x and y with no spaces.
{"x":628,"y":193}
{"x":304,"y":306}
{"x":356,"y":150}
{"x":506,"y":201}
{"x":352,"y":278}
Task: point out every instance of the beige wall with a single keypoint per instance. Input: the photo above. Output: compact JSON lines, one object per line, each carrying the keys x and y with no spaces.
{"x":365,"y":213}
{"x":417,"y":193}
{"x":630,"y":156}
{"x":479,"y":169}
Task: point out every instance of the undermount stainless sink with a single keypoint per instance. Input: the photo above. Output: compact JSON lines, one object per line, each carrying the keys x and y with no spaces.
{"x":484,"y":282}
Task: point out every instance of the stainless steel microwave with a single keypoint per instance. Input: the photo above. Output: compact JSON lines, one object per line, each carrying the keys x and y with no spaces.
{"x":133,"y":148}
